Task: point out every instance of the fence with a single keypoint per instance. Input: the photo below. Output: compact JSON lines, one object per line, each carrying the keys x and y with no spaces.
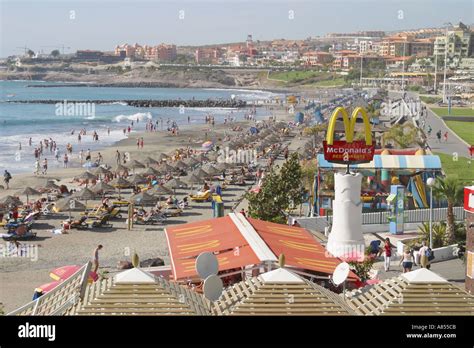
{"x":416,"y":215}
{"x":61,"y":298}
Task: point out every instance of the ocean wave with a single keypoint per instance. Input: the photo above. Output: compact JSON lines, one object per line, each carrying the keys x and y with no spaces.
{"x":139,"y":115}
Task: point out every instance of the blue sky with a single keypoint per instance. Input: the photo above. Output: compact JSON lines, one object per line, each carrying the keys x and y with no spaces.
{"x":40,"y":24}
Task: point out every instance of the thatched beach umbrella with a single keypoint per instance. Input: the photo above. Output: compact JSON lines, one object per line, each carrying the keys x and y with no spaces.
{"x":101,"y":171}
{"x":120,"y":169}
{"x":150,"y":161}
{"x":143,"y":198}
{"x":222,"y":166}
{"x":175,"y":183}
{"x":86,"y":176}
{"x":135,"y":164}
{"x":200,"y":173}
{"x":190,"y":161}
{"x":163,"y":157}
{"x":211,"y":170}
{"x":194,"y":179}
{"x":69,"y":204}
{"x":165,"y":168}
{"x":137,"y":179}
{"x":103,"y":188}
{"x":50,"y":185}
{"x":201,"y":157}
{"x":120,"y":183}
{"x":11,"y":200}
{"x":28,"y":191}
{"x":151,"y":171}
{"x":180,"y":165}
{"x":160,"y":190}
{"x":84,"y":195}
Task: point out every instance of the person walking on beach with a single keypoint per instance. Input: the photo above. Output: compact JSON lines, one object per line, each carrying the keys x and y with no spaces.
{"x":81,"y":156}
{"x":438,"y":135}
{"x":117,"y":157}
{"x":6,"y":178}
{"x":37,"y":167}
{"x":387,"y":254}
{"x":45,"y":166}
{"x":66,"y":160}
{"x":138,"y":143}
{"x":88,"y":155}
{"x":56,"y":154}
{"x":95,"y":258}
{"x":30,"y":142}
{"x":141,"y":143}
{"x":446,"y":137}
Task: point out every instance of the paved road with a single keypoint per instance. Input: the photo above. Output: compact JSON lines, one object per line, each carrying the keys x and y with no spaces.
{"x":453,"y":145}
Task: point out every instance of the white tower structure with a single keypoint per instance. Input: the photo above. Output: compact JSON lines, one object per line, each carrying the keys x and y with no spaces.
{"x":346,"y":237}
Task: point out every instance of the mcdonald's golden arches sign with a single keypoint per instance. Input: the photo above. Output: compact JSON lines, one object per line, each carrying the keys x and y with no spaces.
{"x":349,"y":151}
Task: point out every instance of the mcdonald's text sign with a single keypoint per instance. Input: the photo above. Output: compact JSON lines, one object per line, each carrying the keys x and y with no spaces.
{"x":348,"y":151}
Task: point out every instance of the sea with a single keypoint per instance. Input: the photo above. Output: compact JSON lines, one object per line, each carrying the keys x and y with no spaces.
{"x":19,"y":122}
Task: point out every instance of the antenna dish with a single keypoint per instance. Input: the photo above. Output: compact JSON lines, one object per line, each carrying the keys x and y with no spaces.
{"x":341,"y":273}
{"x":213,"y":287}
{"x":207,"y":265}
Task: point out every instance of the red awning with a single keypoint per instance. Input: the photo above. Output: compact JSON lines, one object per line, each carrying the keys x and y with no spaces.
{"x":300,"y":248}
{"x":218,"y":235}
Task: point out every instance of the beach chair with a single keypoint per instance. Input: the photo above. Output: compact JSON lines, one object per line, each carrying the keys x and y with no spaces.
{"x":47,"y":209}
{"x":102,"y":222}
{"x":201,"y":196}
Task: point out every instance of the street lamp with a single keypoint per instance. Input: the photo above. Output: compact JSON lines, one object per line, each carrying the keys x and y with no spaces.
{"x":430,"y":182}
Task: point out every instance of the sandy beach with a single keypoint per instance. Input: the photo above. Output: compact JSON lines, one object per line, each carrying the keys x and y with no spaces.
{"x":20,"y":276}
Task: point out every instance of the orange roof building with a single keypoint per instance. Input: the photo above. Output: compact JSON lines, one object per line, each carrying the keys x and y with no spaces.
{"x":240,"y":242}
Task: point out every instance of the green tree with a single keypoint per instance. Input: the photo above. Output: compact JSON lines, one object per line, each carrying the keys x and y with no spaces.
{"x":278,"y":193}
{"x":403,"y":135}
{"x":55,"y":53}
{"x":30,"y":53}
{"x":451,"y":189}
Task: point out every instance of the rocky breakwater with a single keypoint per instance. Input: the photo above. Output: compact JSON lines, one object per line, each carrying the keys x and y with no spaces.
{"x":147,"y":103}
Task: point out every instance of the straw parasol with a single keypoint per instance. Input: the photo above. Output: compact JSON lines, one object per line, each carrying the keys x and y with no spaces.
{"x":28,"y":191}
{"x":150,"y":161}
{"x":222,"y":166}
{"x":121,"y":169}
{"x":165,"y":168}
{"x":120,"y":183}
{"x":211,"y":170}
{"x":151,"y":171}
{"x":160,"y":190}
{"x":190,"y":161}
{"x":202,"y":157}
{"x":50,"y":185}
{"x":175,"y":183}
{"x":194,"y":179}
{"x":102,"y":171}
{"x":86,"y":176}
{"x":163,"y":157}
{"x":200,"y":173}
{"x":180,"y":165}
{"x":66,"y":204}
{"x":84,"y":195}
{"x":213,"y":156}
{"x":143,"y":198}
{"x":137,"y":179}
{"x":11,"y":200}
{"x":102,"y":187}
{"x":135,"y":164}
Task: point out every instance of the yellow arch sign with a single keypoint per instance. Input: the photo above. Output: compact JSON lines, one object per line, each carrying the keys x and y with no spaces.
{"x":349,"y":125}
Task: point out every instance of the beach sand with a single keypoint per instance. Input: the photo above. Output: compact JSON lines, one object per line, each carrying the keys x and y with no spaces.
{"x":20,"y":276}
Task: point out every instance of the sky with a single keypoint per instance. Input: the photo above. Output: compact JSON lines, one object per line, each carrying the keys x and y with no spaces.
{"x":47,"y":24}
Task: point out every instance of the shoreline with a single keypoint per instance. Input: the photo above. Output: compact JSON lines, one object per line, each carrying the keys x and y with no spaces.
{"x":20,"y":276}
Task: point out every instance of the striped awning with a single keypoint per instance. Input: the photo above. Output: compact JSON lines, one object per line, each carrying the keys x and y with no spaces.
{"x":390,"y":162}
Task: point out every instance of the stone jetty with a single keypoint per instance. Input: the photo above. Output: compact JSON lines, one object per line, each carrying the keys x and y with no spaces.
{"x":148,"y":103}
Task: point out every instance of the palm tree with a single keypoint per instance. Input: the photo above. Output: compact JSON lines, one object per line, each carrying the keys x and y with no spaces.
{"x":451,"y":189}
